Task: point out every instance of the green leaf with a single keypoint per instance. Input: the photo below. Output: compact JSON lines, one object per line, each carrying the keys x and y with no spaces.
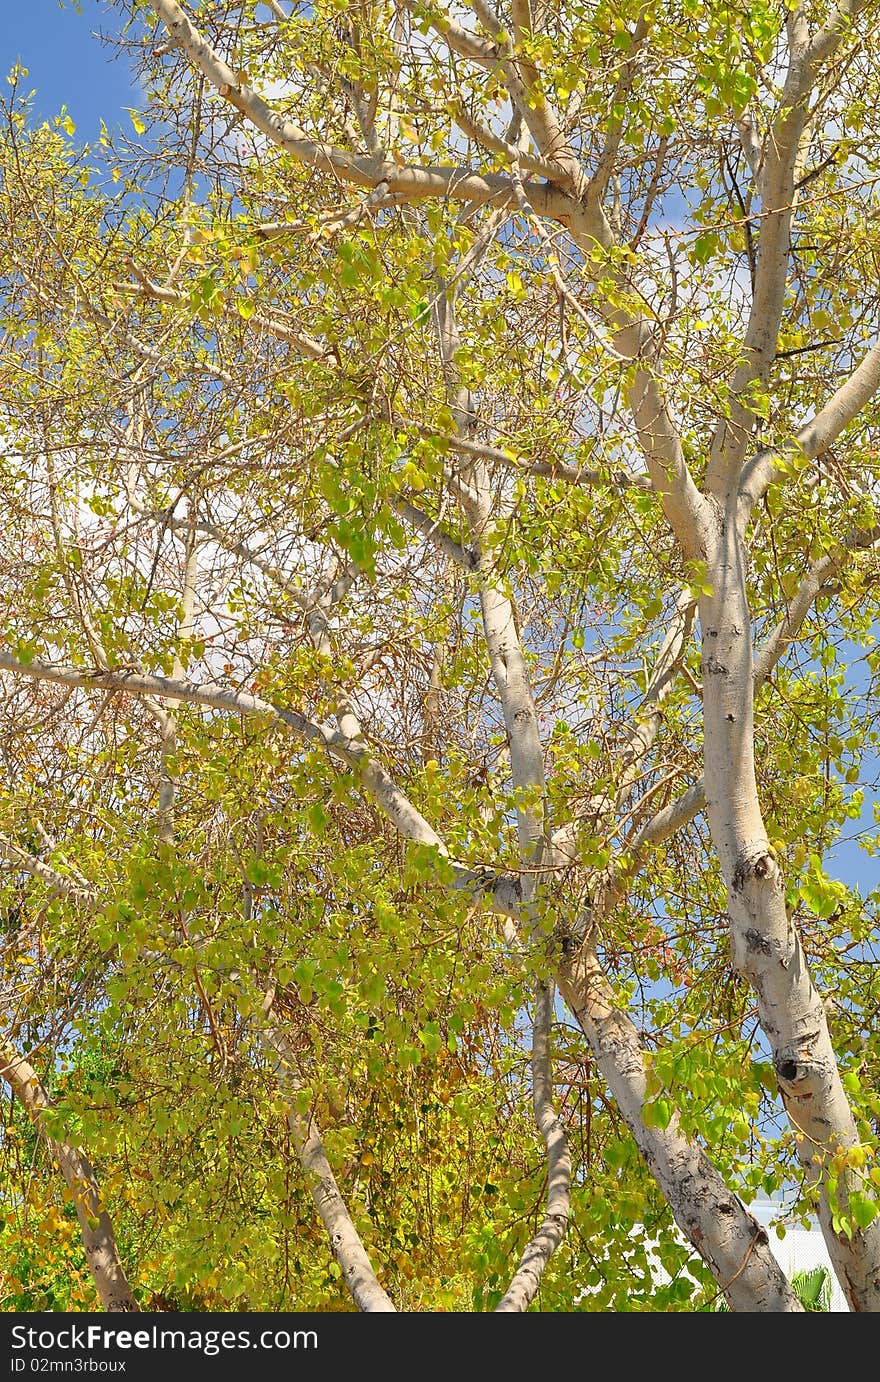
{"x":863,"y":1210}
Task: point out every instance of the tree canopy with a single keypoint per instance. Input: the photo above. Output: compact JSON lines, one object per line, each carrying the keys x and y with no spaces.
{"x":439,"y":464}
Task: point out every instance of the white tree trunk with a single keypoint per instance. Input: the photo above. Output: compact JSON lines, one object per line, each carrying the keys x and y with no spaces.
{"x":765,"y":947}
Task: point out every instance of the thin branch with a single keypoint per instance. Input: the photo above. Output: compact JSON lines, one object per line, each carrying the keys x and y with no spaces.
{"x":815,"y":580}
{"x":459,"y":40}
{"x":259,"y":321}
{"x":28,"y":863}
{"x":778,"y":175}
{"x":503,"y":890}
{"x":605,"y":165}
{"x":673,"y":817}
{"x":532,"y":163}
{"x":828,"y":39}
{"x":561,"y":201}
{"x":523,"y":85}
{"x":552,"y":470}
{"x":637,"y":740}
{"x":527,"y":1279}
{"x":641,"y":734}
{"x":412,"y":182}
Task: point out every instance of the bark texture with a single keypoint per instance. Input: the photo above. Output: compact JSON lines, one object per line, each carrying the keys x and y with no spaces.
{"x":99,"y":1242}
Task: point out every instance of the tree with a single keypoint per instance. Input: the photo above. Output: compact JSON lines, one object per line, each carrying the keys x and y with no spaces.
{"x":439,"y":651}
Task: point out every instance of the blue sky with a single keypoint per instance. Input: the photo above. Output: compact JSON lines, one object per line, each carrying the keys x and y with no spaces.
{"x":67,"y":62}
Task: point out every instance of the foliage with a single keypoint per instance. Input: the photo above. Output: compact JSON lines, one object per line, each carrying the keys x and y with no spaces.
{"x":813,"y":1288}
{"x":354,"y":429}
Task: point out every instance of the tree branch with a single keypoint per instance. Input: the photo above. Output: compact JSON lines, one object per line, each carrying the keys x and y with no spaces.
{"x":605,"y":165}
{"x":345,"y":1241}
{"x":776,"y":182}
{"x":828,"y":39}
{"x":459,"y":40}
{"x":814,"y":436}
{"x":430,"y":528}
{"x":409,"y":182}
{"x":28,"y":863}
{"x":302,"y":343}
{"x":99,"y":1241}
{"x":710,"y":1216}
{"x":815,"y":580}
{"x":524,"y":1286}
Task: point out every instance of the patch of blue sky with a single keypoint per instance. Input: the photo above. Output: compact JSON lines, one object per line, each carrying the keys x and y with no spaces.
{"x":72,"y":60}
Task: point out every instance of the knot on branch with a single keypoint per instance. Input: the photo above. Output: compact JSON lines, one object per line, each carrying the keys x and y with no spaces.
{"x":715,"y":668}
{"x":756,"y":861}
{"x":795,"y":1068}
{"x":758,"y":943}
{"x":787,"y":1069}
{"x":568,"y":943}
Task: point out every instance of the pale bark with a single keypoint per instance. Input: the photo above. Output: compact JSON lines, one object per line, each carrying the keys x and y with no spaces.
{"x":765,"y":945}
{"x":460,"y":40}
{"x":503,"y":890}
{"x":814,"y":436}
{"x":639,"y":736}
{"x":775,"y":168}
{"x":777,"y":192}
{"x":348,"y":1248}
{"x":430,"y":528}
{"x":828,"y":38}
{"x":714,"y":1220}
{"x":510,"y":674}
{"x":521,"y":79}
{"x":353,"y":753}
{"x":563,"y":203}
{"x":818,"y":577}
{"x":99,"y":1242}
{"x":513,"y":684}
{"x":412,"y":183}
{"x":538,"y":1251}
{"x":669,"y":819}
{"x":731,"y":1243}
{"x":97,"y":1230}
{"x":632,"y":336}
{"x":493,"y":143}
